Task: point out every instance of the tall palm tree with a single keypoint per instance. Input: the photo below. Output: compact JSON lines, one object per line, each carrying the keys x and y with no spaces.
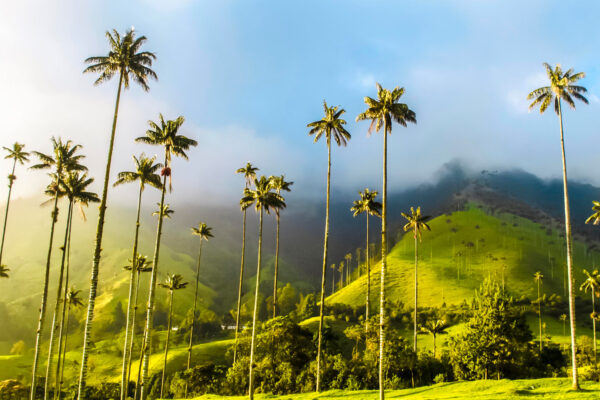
{"x":264,"y":200}
{"x":563,"y":318}
{"x":592,"y":283}
{"x":562,"y":87}
{"x":73,"y":300}
{"x":369,"y":206}
{"x":204,"y":232}
{"x":278,"y":183}
{"x":145,"y":174}
{"x":348,"y":258}
{"x":333,"y":267}
{"x":249,"y":172}
{"x":416,"y":223}
{"x":18,"y":156}
{"x":64,"y":159}
{"x":341,"y":271}
{"x":435,"y":328}
{"x":538,"y":278}
{"x":382,"y":112}
{"x":74,"y":187}
{"x":332,"y":127}
{"x":172,"y":283}
{"x":4,"y":271}
{"x":127,"y":61}
{"x":141,"y":264}
{"x":166,"y":134}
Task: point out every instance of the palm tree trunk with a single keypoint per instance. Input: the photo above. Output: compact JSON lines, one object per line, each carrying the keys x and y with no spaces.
{"x":276,"y":268}
{"x":383,"y":266}
{"x":333,"y":282}
{"x":55,"y":314}
{"x":64,"y":355}
{"x":189,"y":351}
{"x":140,"y":363}
{"x":254,"y":319}
{"x":132,"y":338}
{"x":239,"y":302}
{"x":10,"y":185}
{"x":134,"y":266}
{"x":60,"y":365}
{"x":539,"y":312}
{"x":434,"y":348}
{"x":87,"y":337}
{"x":162,"y":381}
{"x":416,"y":293}
{"x":324,"y":271}
{"x":152,"y":293}
{"x":568,"y":239}
{"x":38,"y":336}
{"x":594,"y":327}
{"x":367,"y":301}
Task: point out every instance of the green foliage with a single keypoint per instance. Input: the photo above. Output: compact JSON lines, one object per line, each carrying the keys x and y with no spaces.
{"x":201,"y":379}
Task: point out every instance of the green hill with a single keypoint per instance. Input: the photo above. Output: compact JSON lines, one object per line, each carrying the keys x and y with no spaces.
{"x":465,"y":247}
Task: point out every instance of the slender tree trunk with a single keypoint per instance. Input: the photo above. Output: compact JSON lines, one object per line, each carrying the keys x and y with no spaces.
{"x":134,"y":266}
{"x":132,"y":338}
{"x":568,"y":239}
{"x":324,"y":271}
{"x":139,"y":373}
{"x":254,"y":317}
{"x":189,"y":351}
{"x":594,"y":327}
{"x":434,"y":347}
{"x":55,"y":314}
{"x":62,"y":367}
{"x":368,"y":261}
{"x":276,"y":268}
{"x":10,"y":185}
{"x":333,"y":282}
{"x":416,"y":293}
{"x":59,"y":365}
{"x":152,"y":293}
{"x":239,"y":302}
{"x":383,"y":267}
{"x":87,"y":338}
{"x":162,"y":381}
{"x":539,"y":313}
{"x":38,"y":336}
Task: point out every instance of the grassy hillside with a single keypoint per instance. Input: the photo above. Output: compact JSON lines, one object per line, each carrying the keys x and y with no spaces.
{"x":467,"y":246}
{"x":551,"y":388}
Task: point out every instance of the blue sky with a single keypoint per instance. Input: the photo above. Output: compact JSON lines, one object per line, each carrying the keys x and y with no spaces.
{"x":249,"y":75}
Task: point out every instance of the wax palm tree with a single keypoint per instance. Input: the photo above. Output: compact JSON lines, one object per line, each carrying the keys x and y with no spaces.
{"x":333,"y":267}
{"x":166,"y":134}
{"x":204,"y":232}
{"x":17,"y":154}
{"x":141,"y":265}
{"x":562,"y":88}
{"x":264,"y":200}
{"x":172,"y":283}
{"x":249,"y":172}
{"x":144,"y":173}
{"x":563,"y":318}
{"x":416,"y":223}
{"x":331,"y":126}
{"x":341,"y":271}
{"x":73,"y":300}
{"x":64,"y":159}
{"x":278,"y":183}
{"x":164,"y":212}
{"x":592,"y":283}
{"x":74,"y":187}
{"x":538,"y":278}
{"x":369,"y":206}
{"x":126,"y":60}
{"x":595,"y":217}
{"x":382,"y":112}
{"x":435,"y":328}
{"x":348,"y":258}
{"x":4,"y":271}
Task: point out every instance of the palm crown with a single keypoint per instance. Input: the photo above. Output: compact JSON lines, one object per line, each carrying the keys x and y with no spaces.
{"x":561,"y":88}
{"x":386,"y":109}
{"x":436,"y":327}
{"x":595,"y":217}
{"x":73,"y":297}
{"x":173,"y":282}
{"x":62,"y":160}
{"x":4,"y":271}
{"x":16,"y":153}
{"x":142,"y":264}
{"x":125,"y":58}
{"x":278,"y":183}
{"x":416,"y":222}
{"x":74,"y":186}
{"x":249,"y":172}
{"x":330,"y":125}
{"x":203,"y":230}
{"x":262,"y":196}
{"x":145,"y":173}
{"x":592,"y":282}
{"x":366,"y":204}
{"x":538,"y":277}
{"x":166,"y":211}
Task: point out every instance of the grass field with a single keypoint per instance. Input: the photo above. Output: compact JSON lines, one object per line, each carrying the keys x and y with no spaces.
{"x":550,"y":388}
